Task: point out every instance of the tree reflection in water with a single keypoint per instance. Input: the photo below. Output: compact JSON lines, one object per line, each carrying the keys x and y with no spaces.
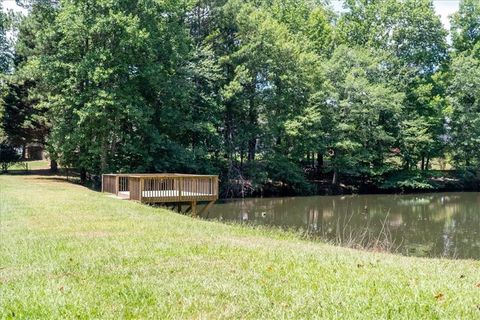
{"x":443,"y":224}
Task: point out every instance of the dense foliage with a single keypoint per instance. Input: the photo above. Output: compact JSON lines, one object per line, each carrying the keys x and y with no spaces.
{"x":263,"y":92}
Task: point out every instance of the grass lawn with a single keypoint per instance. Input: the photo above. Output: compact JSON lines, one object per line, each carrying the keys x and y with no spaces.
{"x":32,"y":165}
{"x":68,"y":252}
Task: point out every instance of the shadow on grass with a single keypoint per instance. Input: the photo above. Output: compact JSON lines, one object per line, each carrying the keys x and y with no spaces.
{"x":61,"y":175}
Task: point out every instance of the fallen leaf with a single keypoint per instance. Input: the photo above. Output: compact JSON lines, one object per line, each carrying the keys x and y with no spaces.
{"x":477,"y":285}
{"x":359,"y":265}
{"x":462,"y":276}
{"x":439,"y":296}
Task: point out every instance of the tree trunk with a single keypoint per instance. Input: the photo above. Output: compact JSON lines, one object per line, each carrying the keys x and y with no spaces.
{"x":427,"y":164}
{"x":319,"y":162}
{"x":423,"y":163}
{"x":242,"y":156}
{"x":103,"y":155}
{"x":229,"y":128}
{"x":24,"y":152}
{"x":53,"y":166}
{"x":253,"y":119}
{"x":335,"y":177}
{"x":252,"y":148}
{"x":83,"y":175}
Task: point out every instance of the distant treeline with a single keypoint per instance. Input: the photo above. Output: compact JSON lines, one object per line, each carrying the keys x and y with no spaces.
{"x":262,"y":92}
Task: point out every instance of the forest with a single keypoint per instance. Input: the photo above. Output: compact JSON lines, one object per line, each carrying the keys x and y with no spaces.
{"x":272,"y":95}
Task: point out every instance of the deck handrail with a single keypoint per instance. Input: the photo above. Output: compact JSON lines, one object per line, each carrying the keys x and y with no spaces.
{"x":158,"y":187}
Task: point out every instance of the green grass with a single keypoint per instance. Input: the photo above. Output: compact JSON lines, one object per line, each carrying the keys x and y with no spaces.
{"x":32,"y":165}
{"x":68,"y":252}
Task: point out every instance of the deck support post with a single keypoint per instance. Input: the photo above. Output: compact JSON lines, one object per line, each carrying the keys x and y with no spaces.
{"x":194,"y":208}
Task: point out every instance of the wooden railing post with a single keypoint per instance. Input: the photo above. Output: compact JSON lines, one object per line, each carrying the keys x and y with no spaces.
{"x":129,"y":188}
{"x":180,"y":187}
{"x":103,"y":181}
{"x":141,"y":190}
{"x":117,"y":186}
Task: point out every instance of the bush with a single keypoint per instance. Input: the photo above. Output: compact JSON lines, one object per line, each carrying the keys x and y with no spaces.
{"x":410,"y":180}
{"x":8,"y":156}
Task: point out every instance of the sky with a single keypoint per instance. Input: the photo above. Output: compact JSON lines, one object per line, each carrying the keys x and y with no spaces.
{"x":443,"y":8}
{"x":10,"y":4}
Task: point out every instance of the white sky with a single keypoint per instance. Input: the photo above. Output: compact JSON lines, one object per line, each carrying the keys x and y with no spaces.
{"x":444,"y":8}
{"x":11,"y":5}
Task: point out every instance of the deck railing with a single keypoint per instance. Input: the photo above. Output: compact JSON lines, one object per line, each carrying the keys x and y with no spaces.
{"x":123,"y":183}
{"x":109,"y":183}
{"x":162,"y":187}
{"x":135,"y":188}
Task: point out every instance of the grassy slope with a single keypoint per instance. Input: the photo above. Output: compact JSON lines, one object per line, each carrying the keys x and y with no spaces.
{"x":70,"y":252}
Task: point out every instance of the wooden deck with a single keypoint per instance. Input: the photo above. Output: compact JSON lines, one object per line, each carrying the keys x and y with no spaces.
{"x":167,"y":188}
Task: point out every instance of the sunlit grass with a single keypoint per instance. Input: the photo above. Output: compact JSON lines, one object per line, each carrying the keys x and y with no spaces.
{"x":68,"y":252}
{"x":31,"y":165}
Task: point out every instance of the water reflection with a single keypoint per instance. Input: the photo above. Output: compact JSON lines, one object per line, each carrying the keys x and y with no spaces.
{"x":445,"y":224}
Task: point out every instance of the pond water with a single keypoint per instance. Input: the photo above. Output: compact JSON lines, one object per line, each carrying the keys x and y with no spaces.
{"x":431,"y":225}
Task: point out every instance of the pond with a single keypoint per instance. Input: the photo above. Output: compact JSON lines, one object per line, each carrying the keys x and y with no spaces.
{"x":430,"y":225}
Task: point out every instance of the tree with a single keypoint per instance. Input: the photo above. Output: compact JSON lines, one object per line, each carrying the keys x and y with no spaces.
{"x":5,"y":59}
{"x":8,"y":156}
{"x":464,"y":113}
{"x":23,"y":119}
{"x":260,"y":91}
{"x":115,"y":83}
{"x":415,"y":39}
{"x":22,"y":122}
{"x":5,"y":48}
{"x":465,"y":26}
{"x":270,"y":82}
{"x":357,"y":119}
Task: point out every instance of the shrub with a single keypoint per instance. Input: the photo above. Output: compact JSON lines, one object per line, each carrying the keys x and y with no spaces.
{"x":8,"y":156}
